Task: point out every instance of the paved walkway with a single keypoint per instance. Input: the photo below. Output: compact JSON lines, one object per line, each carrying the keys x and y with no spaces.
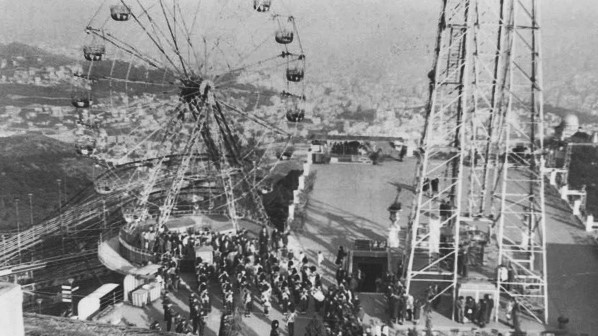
{"x":349,"y":202}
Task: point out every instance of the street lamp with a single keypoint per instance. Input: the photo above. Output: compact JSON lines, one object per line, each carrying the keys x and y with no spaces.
{"x":394,"y":229}
{"x":39,"y":305}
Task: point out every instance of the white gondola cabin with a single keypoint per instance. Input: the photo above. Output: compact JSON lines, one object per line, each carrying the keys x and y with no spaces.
{"x":104,"y":186}
{"x":295,"y":74}
{"x":85,"y":145}
{"x":262,"y":5}
{"x":284,"y":36}
{"x":295,"y":115}
{"x":94,"y":52}
{"x":120,"y":12}
{"x":81,"y":99}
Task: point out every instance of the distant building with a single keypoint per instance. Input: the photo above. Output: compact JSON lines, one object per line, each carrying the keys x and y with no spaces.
{"x":568,"y":126}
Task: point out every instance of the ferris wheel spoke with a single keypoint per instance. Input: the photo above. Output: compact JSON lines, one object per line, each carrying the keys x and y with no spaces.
{"x":156,"y":43}
{"x":130,"y":81}
{"x":173,"y":36}
{"x":187,"y":31}
{"x":265,"y":64}
{"x":297,"y":34}
{"x":123,"y":46}
{"x":97,"y":12}
{"x":253,"y":118}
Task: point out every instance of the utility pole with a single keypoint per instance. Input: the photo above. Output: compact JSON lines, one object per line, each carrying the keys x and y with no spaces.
{"x":18,"y":227}
{"x":30,"y":209}
{"x":60,"y":206}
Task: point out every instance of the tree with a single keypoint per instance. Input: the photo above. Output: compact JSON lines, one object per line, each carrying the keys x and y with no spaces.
{"x":315,"y":327}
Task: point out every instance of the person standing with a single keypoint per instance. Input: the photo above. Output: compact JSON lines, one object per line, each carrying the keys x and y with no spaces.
{"x":266,"y":303}
{"x":417,"y":308}
{"x":340,"y":256}
{"x":509,"y":311}
{"x":489,"y":307}
{"x":291,"y":322}
{"x":248,"y":302}
{"x":515,"y":315}
{"x":481,"y":316}
{"x":434,"y":186}
{"x":274,"y":331}
{"x":320,"y":258}
{"x":409,"y":306}
{"x":196,"y":318}
{"x":202,"y":325}
{"x":401,"y":309}
{"x":169,"y":316}
{"x":393,"y":306}
{"x":340,"y":275}
{"x":460,"y":310}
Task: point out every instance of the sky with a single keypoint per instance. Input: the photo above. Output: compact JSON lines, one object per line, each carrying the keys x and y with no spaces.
{"x":378,"y":35}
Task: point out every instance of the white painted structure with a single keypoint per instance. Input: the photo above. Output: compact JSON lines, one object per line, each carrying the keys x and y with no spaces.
{"x":11,"y":310}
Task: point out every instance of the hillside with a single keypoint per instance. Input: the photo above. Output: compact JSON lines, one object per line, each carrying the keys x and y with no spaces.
{"x":32,"y":164}
{"x":27,"y":55}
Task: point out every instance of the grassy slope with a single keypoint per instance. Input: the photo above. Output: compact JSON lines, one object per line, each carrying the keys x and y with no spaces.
{"x":32,"y":163}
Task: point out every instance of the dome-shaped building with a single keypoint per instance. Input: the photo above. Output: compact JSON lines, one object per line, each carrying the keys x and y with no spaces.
{"x":568,"y":126}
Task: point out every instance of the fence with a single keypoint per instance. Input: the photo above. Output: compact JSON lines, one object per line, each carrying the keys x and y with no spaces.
{"x":131,"y":253}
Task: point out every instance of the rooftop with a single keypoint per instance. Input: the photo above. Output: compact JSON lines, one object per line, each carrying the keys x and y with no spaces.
{"x":41,"y":325}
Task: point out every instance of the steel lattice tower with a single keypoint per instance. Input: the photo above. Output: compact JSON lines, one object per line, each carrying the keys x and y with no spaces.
{"x":482,"y":141}
{"x":522,"y":228}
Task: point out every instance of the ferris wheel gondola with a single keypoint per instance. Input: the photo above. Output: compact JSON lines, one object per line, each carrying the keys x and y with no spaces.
{"x":120,"y":12}
{"x":262,"y":5}
{"x":81,"y":99}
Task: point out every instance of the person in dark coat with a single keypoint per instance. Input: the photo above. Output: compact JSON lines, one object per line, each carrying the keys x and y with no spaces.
{"x":401,"y":309}
{"x":196,"y":317}
{"x":426,"y":186}
{"x":393,"y":306}
{"x":445,"y":210}
{"x":489,"y":307}
{"x":403,"y":152}
{"x":481,"y":313}
{"x":274,"y":331}
{"x":434,"y":186}
{"x":201,"y":326}
{"x":340,"y":256}
{"x":168,"y":317}
{"x":515,"y":316}
{"x":263,"y":241}
{"x":470,"y":308}
{"x":341,"y":274}
{"x":275,"y":240}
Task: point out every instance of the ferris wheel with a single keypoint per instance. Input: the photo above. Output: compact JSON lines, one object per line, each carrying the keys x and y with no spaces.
{"x":187,"y":97}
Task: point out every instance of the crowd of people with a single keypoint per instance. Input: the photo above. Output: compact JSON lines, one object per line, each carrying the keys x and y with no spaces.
{"x":401,"y":306}
{"x":253,"y":275}
{"x":479,"y":313}
{"x":347,"y":148}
